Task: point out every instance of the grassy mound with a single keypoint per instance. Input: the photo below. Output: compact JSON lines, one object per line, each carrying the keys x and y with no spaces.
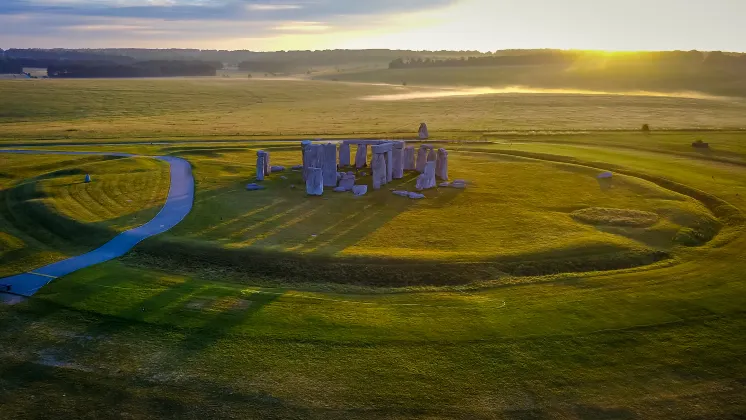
{"x":615,"y":217}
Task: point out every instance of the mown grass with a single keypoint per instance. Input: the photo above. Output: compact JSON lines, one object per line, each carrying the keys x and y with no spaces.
{"x":47,"y":212}
{"x":663,"y":341}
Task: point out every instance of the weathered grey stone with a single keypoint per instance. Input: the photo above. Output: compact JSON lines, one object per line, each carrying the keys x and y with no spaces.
{"x":401,"y":193}
{"x":415,"y":196}
{"x":605,"y":175}
{"x":378,"y":164}
{"x":441,"y":164}
{"x":344,"y":155}
{"x":397,"y":160}
{"x":315,"y":181}
{"x":444,"y":184}
{"x":389,"y":166}
{"x":432,"y":155}
{"x":314,"y":158}
{"x":367,"y":142}
{"x":297,"y":168}
{"x":427,"y":179}
{"x":329,"y":165}
{"x":361,"y":156}
{"x":382,"y":148}
{"x":283,"y":177}
{"x":360,"y":190}
{"x":408,"y":159}
{"x":255,"y":187}
{"x":267,"y":166}
{"x":278,"y":169}
{"x":261,"y":158}
{"x":87,"y":178}
{"x":340,"y":189}
{"x":347,"y":182}
{"x":422,"y":157}
{"x":423,"y":132}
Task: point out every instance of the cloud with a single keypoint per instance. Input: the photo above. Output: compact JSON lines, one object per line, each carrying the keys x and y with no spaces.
{"x":264,"y":7}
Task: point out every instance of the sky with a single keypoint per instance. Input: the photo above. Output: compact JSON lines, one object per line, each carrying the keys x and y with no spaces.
{"x":268,"y":25}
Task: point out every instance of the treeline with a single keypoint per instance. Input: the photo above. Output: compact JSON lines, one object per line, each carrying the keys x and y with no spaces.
{"x":714,"y":59}
{"x":10,"y":66}
{"x":92,"y":69}
{"x":267,"y":66}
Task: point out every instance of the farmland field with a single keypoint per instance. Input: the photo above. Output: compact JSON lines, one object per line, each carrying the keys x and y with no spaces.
{"x":538,"y":291}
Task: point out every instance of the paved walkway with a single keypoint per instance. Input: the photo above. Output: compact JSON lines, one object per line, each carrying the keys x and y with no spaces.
{"x":178,"y":205}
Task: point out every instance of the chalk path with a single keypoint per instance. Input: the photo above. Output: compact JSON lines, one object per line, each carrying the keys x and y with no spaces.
{"x":178,"y":205}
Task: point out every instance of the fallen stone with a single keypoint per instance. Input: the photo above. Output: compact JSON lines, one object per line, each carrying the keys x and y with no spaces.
{"x":401,"y":193}
{"x":340,"y":189}
{"x":605,"y":175}
{"x":347,"y":182}
{"x":445,"y":184}
{"x":297,"y":168}
{"x":279,"y":168}
{"x":359,"y":190}
{"x":416,"y":196}
{"x":292,"y":186}
{"x":255,"y":187}
{"x":283,"y":177}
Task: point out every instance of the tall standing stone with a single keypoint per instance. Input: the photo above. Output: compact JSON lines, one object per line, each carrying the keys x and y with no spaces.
{"x":441,"y":165}
{"x":344,"y":155}
{"x":378,"y":164}
{"x":389,"y":165}
{"x":427,"y":179}
{"x":267,"y":165}
{"x":361,"y":156}
{"x":422,"y":158}
{"x":261,"y":157}
{"x":314,"y":158}
{"x":315,"y":182}
{"x":409,"y":162}
{"x":432,"y":155}
{"x":304,"y":145}
{"x":398,"y":160}
{"x":329,"y":166}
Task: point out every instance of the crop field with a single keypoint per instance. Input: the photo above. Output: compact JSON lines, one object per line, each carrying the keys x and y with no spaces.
{"x":538,"y":291}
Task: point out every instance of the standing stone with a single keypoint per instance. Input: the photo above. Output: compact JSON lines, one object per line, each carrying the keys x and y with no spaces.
{"x":361,"y":156}
{"x":315,"y":182}
{"x":422,"y":158}
{"x":398,"y":160}
{"x":423,"y":133}
{"x":314,"y":158}
{"x":87,"y":178}
{"x":329,"y":165}
{"x":304,"y":145}
{"x":409,"y":163}
{"x":344,"y":155}
{"x":390,"y":166}
{"x":267,"y":166}
{"x":378,"y":165}
{"x":441,"y":165}
{"x":432,"y":155}
{"x":427,"y":179}
{"x":261,"y":157}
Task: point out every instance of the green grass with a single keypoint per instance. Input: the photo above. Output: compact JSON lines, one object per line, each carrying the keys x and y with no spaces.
{"x":217,"y":109}
{"x":47,"y":212}
{"x":143,"y":337}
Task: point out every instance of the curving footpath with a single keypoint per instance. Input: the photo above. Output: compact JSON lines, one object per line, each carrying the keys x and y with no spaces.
{"x":178,"y":205}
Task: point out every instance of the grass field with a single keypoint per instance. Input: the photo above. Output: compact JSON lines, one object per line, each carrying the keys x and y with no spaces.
{"x":186,"y":337}
{"x":216,"y":108}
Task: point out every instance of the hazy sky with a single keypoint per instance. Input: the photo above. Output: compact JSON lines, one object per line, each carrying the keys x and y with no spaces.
{"x":401,"y":24}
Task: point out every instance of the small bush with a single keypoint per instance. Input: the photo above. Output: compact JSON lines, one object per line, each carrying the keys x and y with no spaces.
{"x":646,"y":128}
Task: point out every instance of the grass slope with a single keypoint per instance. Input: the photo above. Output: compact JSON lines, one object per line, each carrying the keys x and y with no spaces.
{"x":47,"y":212}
